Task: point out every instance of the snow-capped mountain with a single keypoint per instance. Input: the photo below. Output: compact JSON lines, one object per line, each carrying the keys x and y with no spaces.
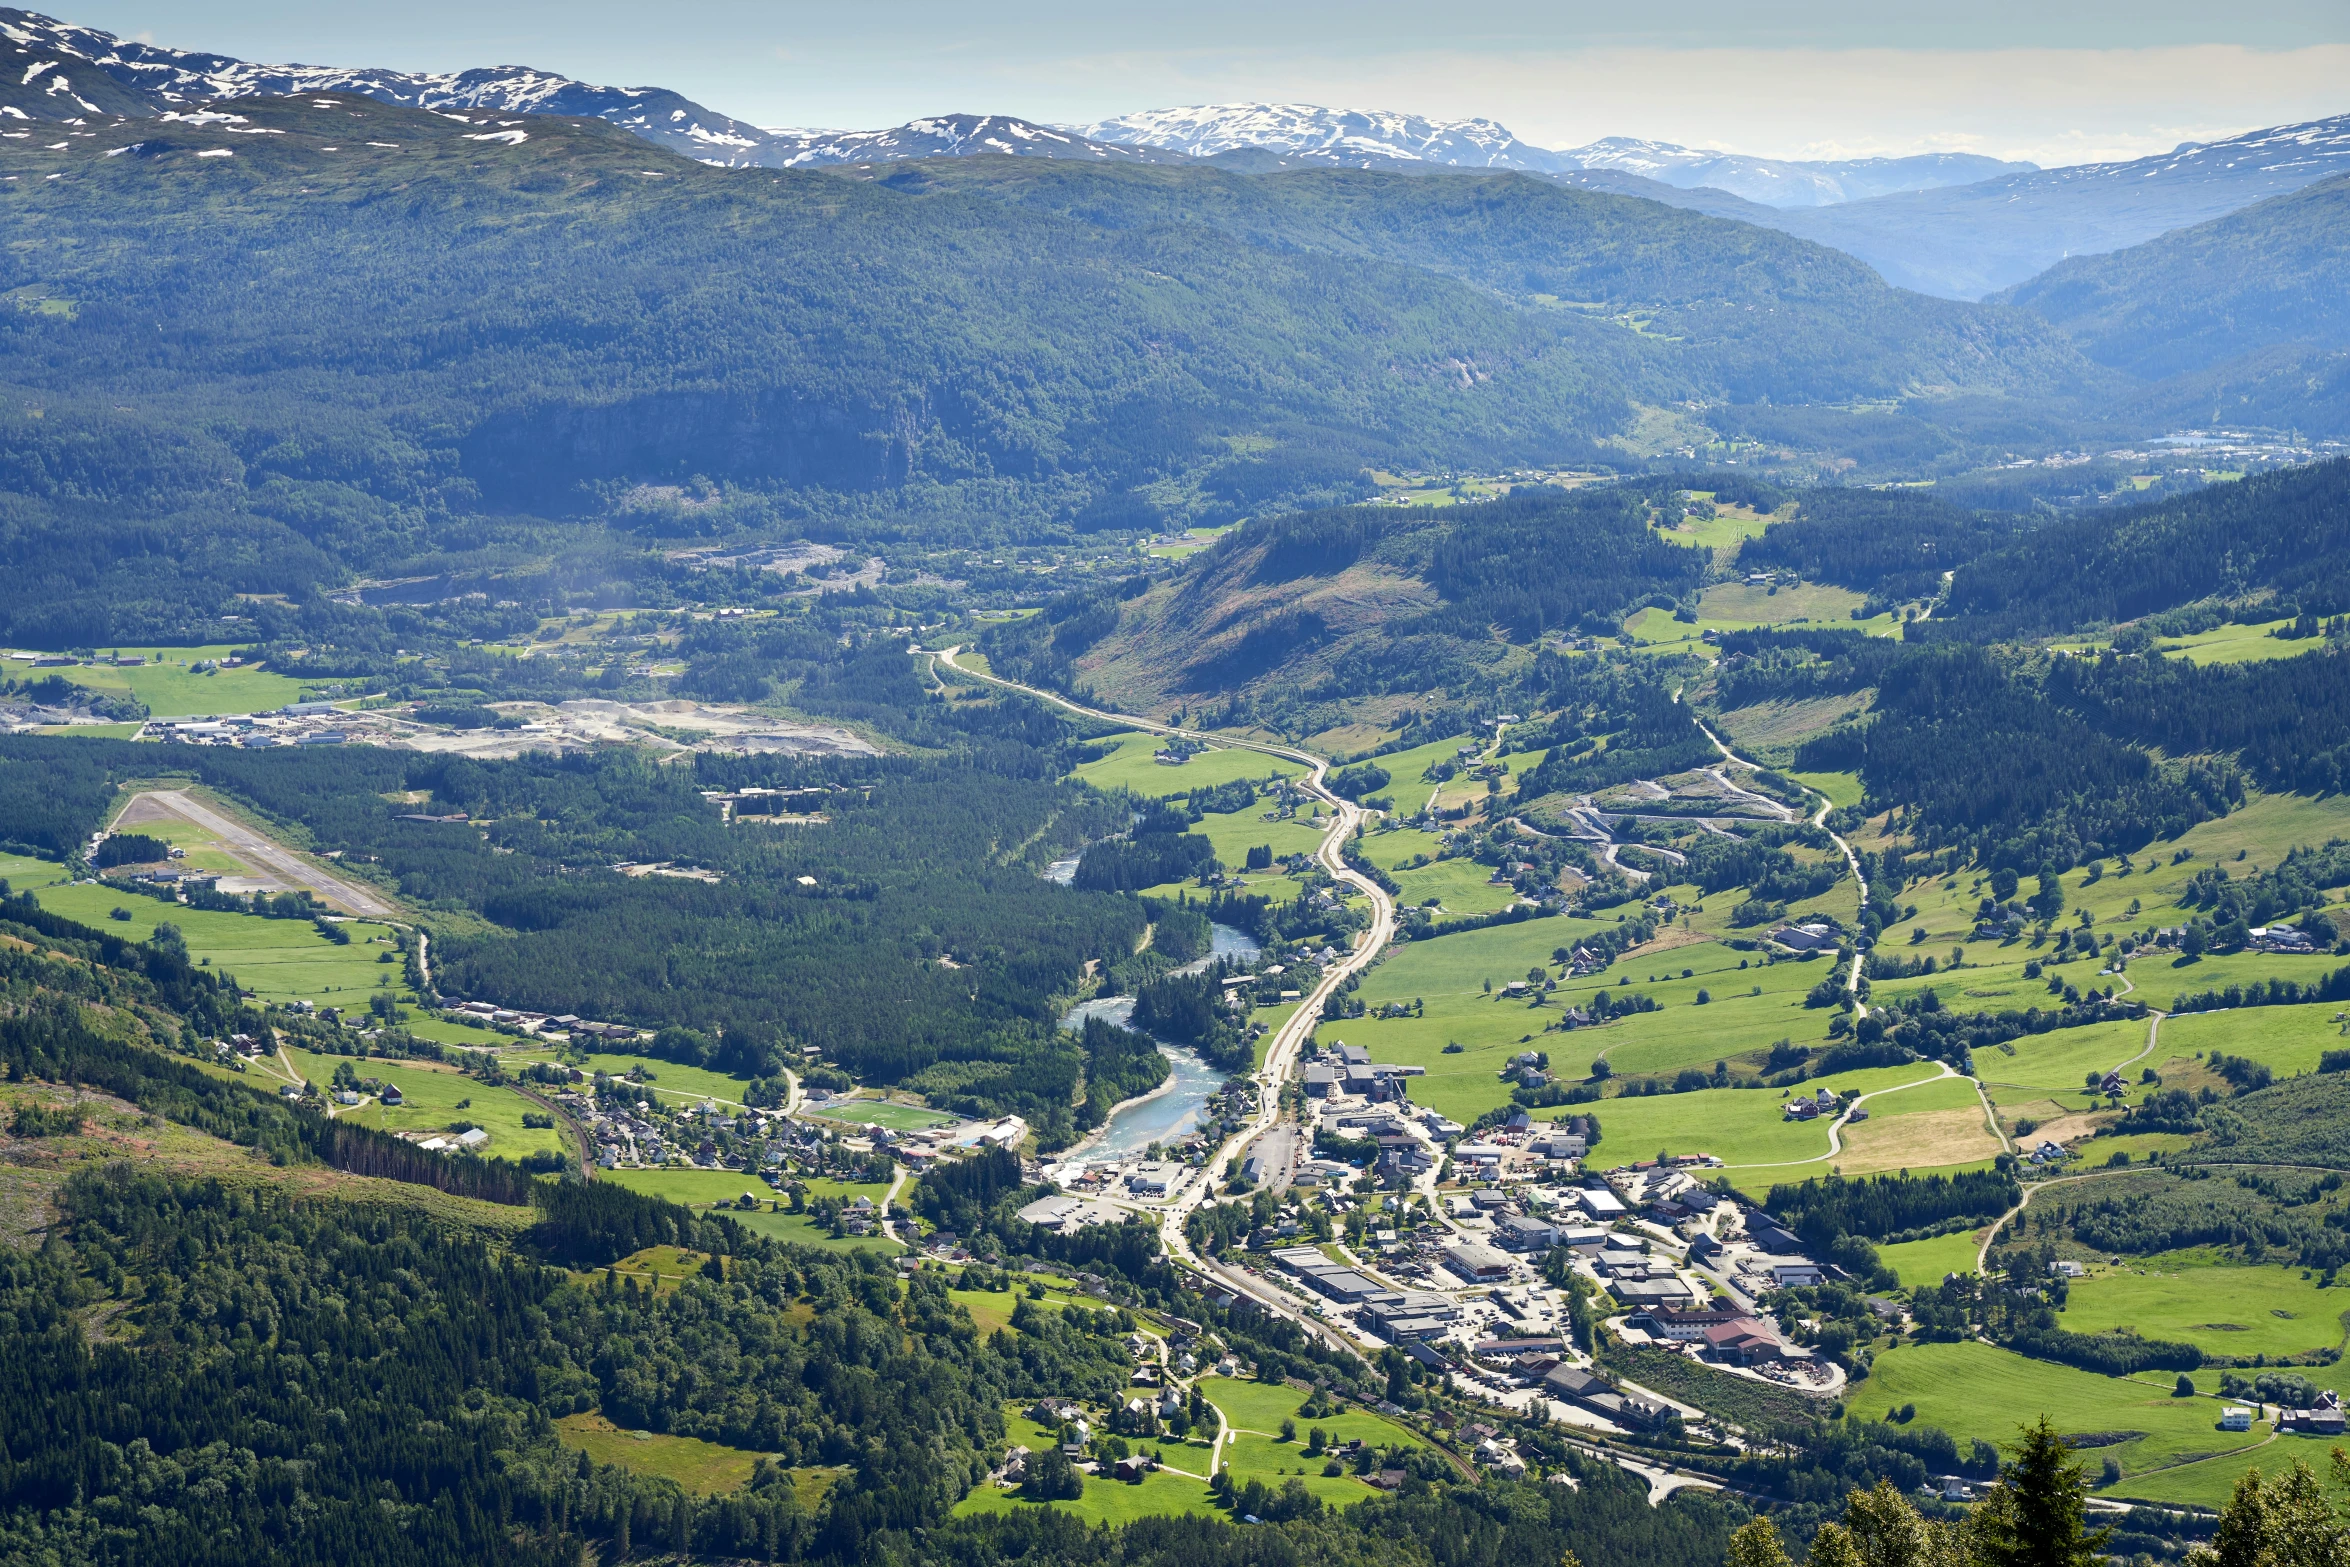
{"x":1351,"y":137}
{"x":55,"y":70}
{"x":947,"y":136}
{"x":59,"y":70}
{"x":1305,"y":133}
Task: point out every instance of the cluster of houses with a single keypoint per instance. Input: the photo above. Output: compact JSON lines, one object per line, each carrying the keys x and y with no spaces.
{"x":548,"y":1026}
{"x":1812,"y":1106}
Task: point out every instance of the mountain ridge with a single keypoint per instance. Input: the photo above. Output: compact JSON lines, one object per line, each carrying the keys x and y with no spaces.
{"x":1970,"y":241}
{"x":1358,"y":138}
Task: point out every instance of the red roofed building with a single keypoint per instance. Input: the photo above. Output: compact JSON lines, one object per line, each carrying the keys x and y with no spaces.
{"x":1742,"y":1342}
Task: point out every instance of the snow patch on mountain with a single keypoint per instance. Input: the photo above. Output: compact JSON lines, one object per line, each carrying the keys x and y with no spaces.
{"x":945,"y":136}
{"x":1353,"y":137}
{"x":1373,"y":139}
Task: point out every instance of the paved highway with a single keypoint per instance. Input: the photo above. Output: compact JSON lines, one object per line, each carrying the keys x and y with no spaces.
{"x":1282,"y":1053}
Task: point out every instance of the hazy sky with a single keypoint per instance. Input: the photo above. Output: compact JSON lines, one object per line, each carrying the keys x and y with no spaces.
{"x":2052,"y":81}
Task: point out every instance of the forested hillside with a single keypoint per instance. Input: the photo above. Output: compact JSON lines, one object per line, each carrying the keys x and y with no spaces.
{"x":2276,"y":538}
{"x":912,"y":938}
{"x":2197,"y":298}
{"x":975,"y":351}
{"x":1362,"y":602}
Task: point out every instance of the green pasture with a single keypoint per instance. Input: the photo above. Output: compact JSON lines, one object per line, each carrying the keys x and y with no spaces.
{"x":435,"y":1097}
{"x":1842,"y":789}
{"x":279,"y":960}
{"x":2287,"y":1040}
{"x":1744,"y":1127}
{"x":1234,"y":833}
{"x":1926,"y":1261}
{"x":1728,"y":525}
{"x":1737,"y":607}
{"x":1390,"y":849}
{"x":205,"y":852}
{"x":1992,"y":978}
{"x":1979,"y":1390}
{"x":1130,"y":767}
{"x":2222,"y":1308}
{"x":1447,"y":975}
{"x":670,"y":1080}
{"x":1163,"y":1492}
{"x":2055,"y":1063}
{"x":92,"y":731}
{"x":1459,"y":886}
{"x":1254,"y":1412}
{"x":699,"y":1467}
{"x":702,"y":1188}
{"x":2263,"y":830}
{"x":1736,"y":603}
{"x":1927,"y":1098}
{"x":171,"y":690}
{"x":1107,"y":1501}
{"x":2233,"y":644}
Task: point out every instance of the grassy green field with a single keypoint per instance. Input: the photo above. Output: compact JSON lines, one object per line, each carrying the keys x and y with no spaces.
{"x":2051,"y":1067}
{"x":2222,"y":1308}
{"x":1106,"y":1501}
{"x":702,"y":1468}
{"x":205,"y":851}
{"x":2287,"y":1040}
{"x":1459,"y":886}
{"x":171,"y":691}
{"x":1255,"y":1410}
{"x":1842,"y":789}
{"x":1734,"y":606}
{"x":1926,"y":1261}
{"x":1742,"y":1127}
{"x":2232,"y":644}
{"x":1129,"y":766}
{"x":1391,"y":848}
{"x":1978,"y":1390}
{"x":670,"y":1080}
{"x":279,"y":960}
{"x":702,"y":1188}
{"x":2263,"y":830}
{"x":437,"y":1096}
{"x":1448,"y":975}
{"x":1992,"y":979}
{"x":1728,"y":526}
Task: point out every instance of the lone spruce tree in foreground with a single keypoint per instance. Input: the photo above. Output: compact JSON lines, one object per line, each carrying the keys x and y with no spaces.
{"x":2037,"y":1515}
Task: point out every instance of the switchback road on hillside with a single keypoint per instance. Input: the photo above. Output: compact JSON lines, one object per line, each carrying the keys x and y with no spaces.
{"x":1281,"y":1054}
{"x":1819,"y":819}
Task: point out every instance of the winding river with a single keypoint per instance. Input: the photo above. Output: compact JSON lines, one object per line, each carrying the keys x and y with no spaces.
{"x":1176,"y":1107}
